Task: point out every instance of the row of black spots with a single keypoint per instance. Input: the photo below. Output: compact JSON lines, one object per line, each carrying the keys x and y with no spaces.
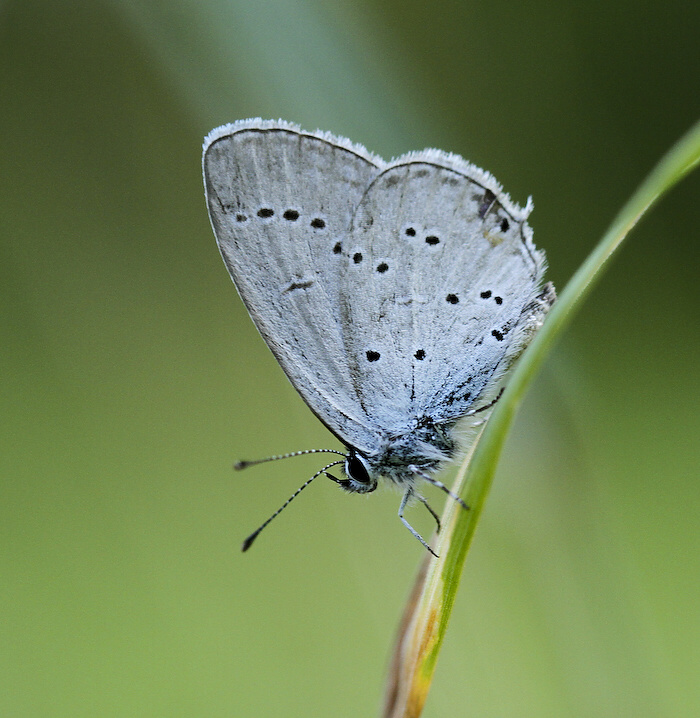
{"x":291,"y":215}
{"x":375,"y":356}
{"x":488,"y":294}
{"x":430,"y":240}
{"x":357,"y":258}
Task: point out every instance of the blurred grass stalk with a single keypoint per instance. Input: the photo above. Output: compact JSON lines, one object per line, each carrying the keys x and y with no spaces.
{"x":427,"y":612}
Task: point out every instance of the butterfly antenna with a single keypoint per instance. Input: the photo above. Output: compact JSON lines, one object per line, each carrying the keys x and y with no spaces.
{"x":245,"y":464}
{"x":249,"y":541}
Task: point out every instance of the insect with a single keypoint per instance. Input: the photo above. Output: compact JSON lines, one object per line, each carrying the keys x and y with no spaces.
{"x":395,"y":295}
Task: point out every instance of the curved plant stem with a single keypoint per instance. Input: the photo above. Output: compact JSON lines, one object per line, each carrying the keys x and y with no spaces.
{"x":427,"y":613}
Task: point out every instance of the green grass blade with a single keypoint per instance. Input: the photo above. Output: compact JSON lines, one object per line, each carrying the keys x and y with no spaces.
{"x":428,"y":611}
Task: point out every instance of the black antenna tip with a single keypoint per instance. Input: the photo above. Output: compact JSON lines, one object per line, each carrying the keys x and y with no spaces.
{"x":240,"y":465}
{"x":249,"y":541}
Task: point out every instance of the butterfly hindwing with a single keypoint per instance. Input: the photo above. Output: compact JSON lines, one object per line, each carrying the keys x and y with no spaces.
{"x":435,"y":304}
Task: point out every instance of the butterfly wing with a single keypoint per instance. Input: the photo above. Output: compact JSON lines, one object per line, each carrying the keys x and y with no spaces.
{"x":281,"y":203}
{"x":443,"y":289}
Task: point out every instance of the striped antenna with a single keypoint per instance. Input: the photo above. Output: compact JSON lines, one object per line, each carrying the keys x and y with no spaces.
{"x":249,"y":541}
{"x":245,"y":464}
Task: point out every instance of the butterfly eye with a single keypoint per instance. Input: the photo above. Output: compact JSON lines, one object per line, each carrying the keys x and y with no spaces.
{"x":358,"y":473}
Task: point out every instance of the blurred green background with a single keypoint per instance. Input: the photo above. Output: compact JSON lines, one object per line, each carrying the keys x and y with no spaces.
{"x":132,"y":377}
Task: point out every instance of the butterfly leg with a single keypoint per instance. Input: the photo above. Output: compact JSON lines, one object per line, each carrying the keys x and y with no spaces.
{"x":415,"y":470}
{"x":404,"y":501}
{"x":425,"y":503}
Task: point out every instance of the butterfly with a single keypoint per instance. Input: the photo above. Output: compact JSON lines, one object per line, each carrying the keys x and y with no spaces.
{"x":394,"y":295}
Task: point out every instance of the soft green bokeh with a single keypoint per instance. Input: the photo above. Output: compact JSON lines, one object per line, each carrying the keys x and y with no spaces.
{"x":132,"y":377}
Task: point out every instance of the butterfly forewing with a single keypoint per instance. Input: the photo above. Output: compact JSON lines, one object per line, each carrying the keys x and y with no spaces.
{"x":281,"y":204}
